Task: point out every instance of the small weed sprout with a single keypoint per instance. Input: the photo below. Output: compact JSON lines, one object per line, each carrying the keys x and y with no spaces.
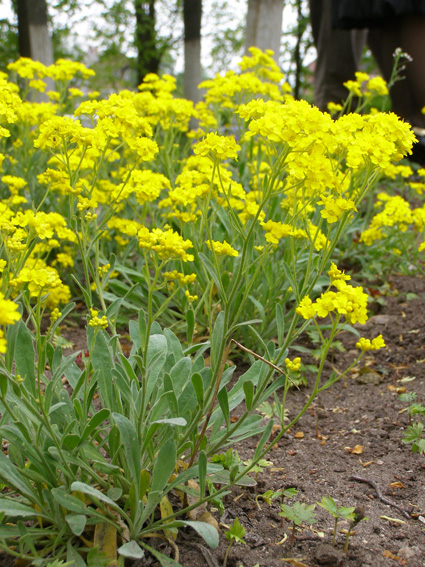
{"x":413,"y":435}
{"x":234,"y":534}
{"x":271,"y":495}
{"x":338,"y":512}
{"x":259,"y":467}
{"x":357,"y":517}
{"x":298,"y":514}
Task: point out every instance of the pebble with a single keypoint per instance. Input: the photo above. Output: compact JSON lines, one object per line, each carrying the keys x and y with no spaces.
{"x":328,"y":555}
{"x":407,"y":552}
{"x":370,"y":378}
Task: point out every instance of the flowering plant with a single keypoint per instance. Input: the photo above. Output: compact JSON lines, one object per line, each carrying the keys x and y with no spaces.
{"x":232,"y":235}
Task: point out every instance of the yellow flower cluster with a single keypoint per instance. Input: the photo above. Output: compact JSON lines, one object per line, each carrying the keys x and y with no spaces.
{"x":367,"y":344}
{"x":347,"y":300}
{"x":96,"y":321}
{"x":336,"y":274}
{"x":8,"y":316}
{"x":167,"y":244}
{"x":181,"y":278}
{"x":367,"y":86}
{"x":217,"y":147}
{"x":222,"y":248}
{"x":293,"y":365}
{"x":396,"y":213}
{"x":335,"y":208}
{"x":42,"y":280}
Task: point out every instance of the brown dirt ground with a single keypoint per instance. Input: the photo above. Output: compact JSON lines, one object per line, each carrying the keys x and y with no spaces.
{"x":352,"y":413}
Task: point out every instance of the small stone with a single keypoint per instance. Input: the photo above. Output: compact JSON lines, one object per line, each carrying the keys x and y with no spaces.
{"x":407,"y":552}
{"x":381,"y":319}
{"x":370,"y":378}
{"x":328,"y":555}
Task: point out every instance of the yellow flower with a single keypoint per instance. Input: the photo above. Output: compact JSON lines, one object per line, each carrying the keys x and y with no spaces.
{"x":366,"y":344}
{"x":335,"y":208}
{"x":8,"y":311}
{"x":222,"y":248}
{"x":376,"y":86}
{"x":3,"y":344}
{"x":55,"y":314}
{"x":168,"y":244}
{"x":99,"y":322}
{"x":293,"y":365}
{"x":306,"y":308}
{"x":217,"y":147}
{"x":190,"y":298}
{"x":333,"y":108}
{"x":336,"y":274}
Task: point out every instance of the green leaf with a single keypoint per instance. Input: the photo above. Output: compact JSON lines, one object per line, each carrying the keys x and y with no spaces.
{"x":202,"y":471}
{"x":70,"y":441}
{"x":132,"y":550}
{"x":164,"y":466}
{"x":329,"y":504}
{"x":25,"y":357}
{"x":14,"y":478}
{"x":172,"y":421}
{"x":94,"y":493}
{"x":248,"y":388}
{"x":211,"y":270}
{"x":3,"y":383}
{"x":223,"y":477}
{"x":72,"y":555}
{"x":131,"y":445}
{"x":236,"y":532}
{"x":207,"y":532}
{"x":260,"y":307}
{"x":77,"y":523}
{"x":198,"y":386}
{"x":114,"y":493}
{"x":280,"y":323}
{"x":264,"y":438}
{"x":190,"y":325}
{"x":163,"y":559}
{"x":223,"y":401}
{"x":260,"y":340}
{"x":68,"y":501}
{"x":96,"y":420}
{"x":16,"y":509}
{"x":217,"y":339}
{"x":299,"y":513}
{"x":103,"y":363}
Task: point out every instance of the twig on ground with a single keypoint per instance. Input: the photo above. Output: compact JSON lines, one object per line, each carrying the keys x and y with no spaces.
{"x":380,"y":495}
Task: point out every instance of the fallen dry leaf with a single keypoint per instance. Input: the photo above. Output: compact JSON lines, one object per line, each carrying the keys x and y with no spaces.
{"x":285,"y":537}
{"x":397,"y":484}
{"x":294,"y":562}
{"x":105,"y":538}
{"x":357,"y":450}
{"x":365,"y":464}
{"x":390,"y":555}
{"x":299,"y":435}
{"x":396,"y":389}
{"x":395,"y":520}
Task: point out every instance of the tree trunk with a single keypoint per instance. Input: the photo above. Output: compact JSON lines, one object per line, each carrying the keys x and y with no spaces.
{"x":148,"y":55}
{"x":34,"y":38}
{"x":264,"y":25}
{"x":192,"y":15}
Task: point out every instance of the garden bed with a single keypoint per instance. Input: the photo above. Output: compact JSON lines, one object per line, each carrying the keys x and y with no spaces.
{"x":352,"y":414}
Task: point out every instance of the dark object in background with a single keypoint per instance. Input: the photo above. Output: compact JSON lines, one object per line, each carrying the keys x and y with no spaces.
{"x":359,"y":14}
